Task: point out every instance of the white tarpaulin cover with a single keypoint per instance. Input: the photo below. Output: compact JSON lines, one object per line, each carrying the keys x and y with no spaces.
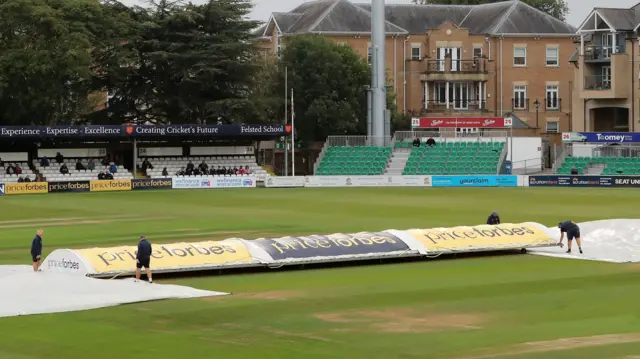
{"x":25,"y":292}
{"x":612,"y":240}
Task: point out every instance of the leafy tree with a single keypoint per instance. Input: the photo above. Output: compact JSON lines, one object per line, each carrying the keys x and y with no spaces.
{"x":556,"y":8}
{"x":183,"y":64}
{"x":45,"y":60}
{"x":328,"y":80}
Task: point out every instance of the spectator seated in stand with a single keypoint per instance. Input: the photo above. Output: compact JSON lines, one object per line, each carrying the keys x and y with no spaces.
{"x":165,"y":173}
{"x":59,"y":158}
{"x":91,"y":165}
{"x":574,"y":170}
{"x":64,"y":169}
{"x":181,"y":172}
{"x":101,"y":175}
{"x":27,"y":179}
{"x":44,"y":162}
{"x":108,"y":176}
{"x":18,"y":169}
{"x":146,"y":165}
{"x":11,"y":170}
{"x":216,"y":165}
{"x":1,"y":163}
{"x":40,"y":178}
{"x":247,"y":170}
{"x":204,"y":168}
{"x":189,"y":171}
{"x":431,"y":142}
{"x":20,"y":179}
{"x":80,"y":166}
{"x":190,"y":167}
{"x":416,"y":142}
{"x":112,"y":168}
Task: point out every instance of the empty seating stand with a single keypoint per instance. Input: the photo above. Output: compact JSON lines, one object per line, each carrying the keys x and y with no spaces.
{"x":354,"y":160}
{"x":612,"y":165}
{"x":455,"y":158}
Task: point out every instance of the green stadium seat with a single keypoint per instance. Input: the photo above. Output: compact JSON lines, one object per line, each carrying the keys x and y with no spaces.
{"x":355,"y":160}
{"x":456,"y":157}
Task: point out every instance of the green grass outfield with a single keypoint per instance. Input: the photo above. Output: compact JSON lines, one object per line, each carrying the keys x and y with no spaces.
{"x":516,"y":306}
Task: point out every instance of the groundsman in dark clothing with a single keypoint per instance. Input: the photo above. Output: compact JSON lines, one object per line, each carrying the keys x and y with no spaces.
{"x":573,"y":232}
{"x":143,"y":258}
{"x":493,"y":219}
{"x":36,"y":250}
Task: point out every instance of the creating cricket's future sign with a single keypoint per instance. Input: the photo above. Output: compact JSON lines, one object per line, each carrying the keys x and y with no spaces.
{"x":270,"y":252}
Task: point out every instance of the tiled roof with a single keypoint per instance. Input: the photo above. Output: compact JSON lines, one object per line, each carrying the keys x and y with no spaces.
{"x":342,"y":16}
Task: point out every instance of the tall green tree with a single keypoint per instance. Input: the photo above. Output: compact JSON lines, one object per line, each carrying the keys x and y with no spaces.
{"x":45,"y":60}
{"x":183,"y":64}
{"x":328,"y":82}
{"x":556,"y":8}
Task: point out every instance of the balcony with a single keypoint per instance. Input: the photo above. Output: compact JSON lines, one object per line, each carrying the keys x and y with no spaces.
{"x":597,"y":83}
{"x":520,"y":104}
{"x":451,"y":70}
{"x":437,"y":106}
{"x":552,"y":104}
{"x":595,"y":53}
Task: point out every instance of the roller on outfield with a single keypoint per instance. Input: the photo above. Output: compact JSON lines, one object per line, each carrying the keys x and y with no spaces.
{"x":292,"y":250}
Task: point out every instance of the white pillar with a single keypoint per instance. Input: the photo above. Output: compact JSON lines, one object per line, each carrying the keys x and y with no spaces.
{"x":480,"y":95}
{"x":446,"y":94}
{"x":581,"y":44}
{"x":613,"y":42}
{"x":426,"y":95}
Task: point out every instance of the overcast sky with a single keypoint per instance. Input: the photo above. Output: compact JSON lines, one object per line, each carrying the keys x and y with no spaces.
{"x":578,"y":9}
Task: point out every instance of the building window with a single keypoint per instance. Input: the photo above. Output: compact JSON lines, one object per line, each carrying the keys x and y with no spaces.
{"x":552,"y":57}
{"x":552,"y":99}
{"x":369,"y":54}
{"x":519,"y":56}
{"x":477,"y":52}
{"x":416,"y":52}
{"x":520,"y":97}
{"x":278,"y":46}
{"x":553,"y":127}
{"x":342,"y":43}
{"x":440,"y":93}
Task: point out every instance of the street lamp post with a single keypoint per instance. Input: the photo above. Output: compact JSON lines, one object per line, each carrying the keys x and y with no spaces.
{"x":537,"y":105}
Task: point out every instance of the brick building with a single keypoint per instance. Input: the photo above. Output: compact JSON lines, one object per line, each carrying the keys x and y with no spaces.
{"x":606,"y":72}
{"x":455,"y":60}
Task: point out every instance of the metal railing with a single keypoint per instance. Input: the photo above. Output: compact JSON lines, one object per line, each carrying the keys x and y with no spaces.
{"x":475,"y":66}
{"x":503,"y":157}
{"x":623,"y":150}
{"x":532,"y":165}
{"x":456,"y":106}
{"x":552,"y":104}
{"x":358,"y":141}
{"x":520,"y":104}
{"x":445,"y":135}
{"x":600,"y":53}
{"x":597,"y":82}
{"x":320,"y":156}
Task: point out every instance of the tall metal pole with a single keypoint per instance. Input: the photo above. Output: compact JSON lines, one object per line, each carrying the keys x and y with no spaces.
{"x":369,"y":109}
{"x":293,"y":138}
{"x":286,"y":117}
{"x":135,"y":158}
{"x":378,"y":69}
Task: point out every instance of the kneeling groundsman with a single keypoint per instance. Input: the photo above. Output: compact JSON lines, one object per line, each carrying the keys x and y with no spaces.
{"x":143,"y":258}
{"x":573,"y":231}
